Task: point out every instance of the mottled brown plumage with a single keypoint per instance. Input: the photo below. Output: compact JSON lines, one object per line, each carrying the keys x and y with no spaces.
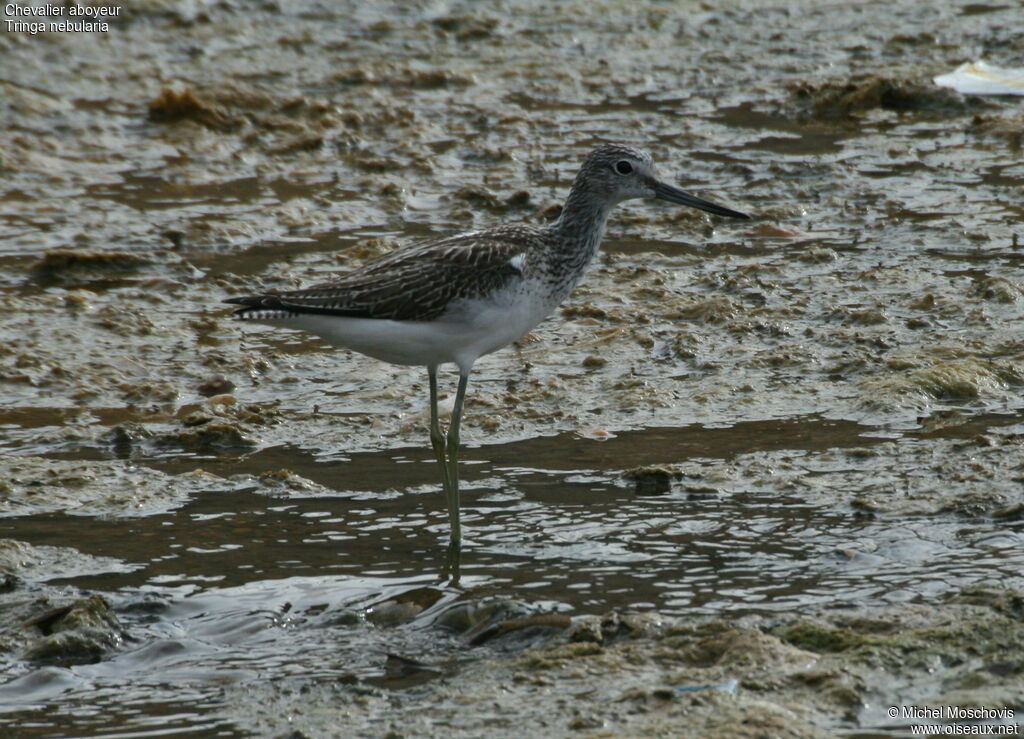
{"x":415,"y":283}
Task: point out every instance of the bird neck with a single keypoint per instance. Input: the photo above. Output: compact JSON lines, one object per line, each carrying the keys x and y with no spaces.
{"x":580,"y":227}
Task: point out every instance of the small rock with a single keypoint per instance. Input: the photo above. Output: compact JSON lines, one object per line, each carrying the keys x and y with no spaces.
{"x":586,"y":628}
{"x":651,"y":480}
{"x":216,"y":385}
{"x":79,"y":633}
{"x":128,"y":433}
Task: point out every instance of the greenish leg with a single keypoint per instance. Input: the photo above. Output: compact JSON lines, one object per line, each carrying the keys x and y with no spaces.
{"x":453,"y":459}
{"x":436,"y":437}
{"x":452,"y":564}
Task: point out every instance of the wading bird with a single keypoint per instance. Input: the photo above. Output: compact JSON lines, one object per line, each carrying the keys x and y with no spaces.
{"x":454,"y":299}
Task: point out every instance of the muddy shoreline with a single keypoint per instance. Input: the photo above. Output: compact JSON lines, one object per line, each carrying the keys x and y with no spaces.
{"x":784,"y":453}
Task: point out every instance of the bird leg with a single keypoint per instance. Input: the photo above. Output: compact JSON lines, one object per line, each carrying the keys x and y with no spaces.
{"x":436,"y":437}
{"x":446,"y":450}
{"x":450,"y":573}
{"x":453,"y":458}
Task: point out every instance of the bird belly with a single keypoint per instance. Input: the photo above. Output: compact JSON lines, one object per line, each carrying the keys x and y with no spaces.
{"x":499,"y":319}
{"x":490,"y":323}
{"x":468,"y":329}
{"x":424,"y":343}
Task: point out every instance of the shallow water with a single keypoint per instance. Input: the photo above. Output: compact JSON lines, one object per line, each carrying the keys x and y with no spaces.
{"x":240,"y":586}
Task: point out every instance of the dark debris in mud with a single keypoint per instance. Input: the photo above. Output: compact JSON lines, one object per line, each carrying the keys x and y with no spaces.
{"x":173,"y":106}
{"x":842,"y":99}
{"x":72,"y":266}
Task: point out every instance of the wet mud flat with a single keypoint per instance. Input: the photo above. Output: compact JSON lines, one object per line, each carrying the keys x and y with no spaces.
{"x":779,"y":462}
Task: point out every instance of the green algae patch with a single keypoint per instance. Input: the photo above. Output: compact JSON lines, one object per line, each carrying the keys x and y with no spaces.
{"x":821,"y":638}
{"x":1003,"y":600}
{"x":954,"y":380}
{"x":979,"y":623}
{"x":742,"y":647}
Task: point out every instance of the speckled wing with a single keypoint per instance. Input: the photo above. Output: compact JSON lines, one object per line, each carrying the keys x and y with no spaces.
{"x":413,"y":283}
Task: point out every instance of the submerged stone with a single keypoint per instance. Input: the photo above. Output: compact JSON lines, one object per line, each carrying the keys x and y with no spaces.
{"x":79,"y":633}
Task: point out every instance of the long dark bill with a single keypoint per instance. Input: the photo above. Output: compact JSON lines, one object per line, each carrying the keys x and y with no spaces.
{"x":675,"y":195}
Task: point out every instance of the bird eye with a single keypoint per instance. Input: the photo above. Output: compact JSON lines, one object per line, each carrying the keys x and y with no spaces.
{"x":623,"y":167}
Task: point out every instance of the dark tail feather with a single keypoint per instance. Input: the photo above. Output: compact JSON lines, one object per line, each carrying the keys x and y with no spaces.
{"x":258,"y":306}
{"x":257,"y":301}
{"x":272,"y":306}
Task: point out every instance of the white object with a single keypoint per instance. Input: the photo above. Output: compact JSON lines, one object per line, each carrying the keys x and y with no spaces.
{"x":979,"y":78}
